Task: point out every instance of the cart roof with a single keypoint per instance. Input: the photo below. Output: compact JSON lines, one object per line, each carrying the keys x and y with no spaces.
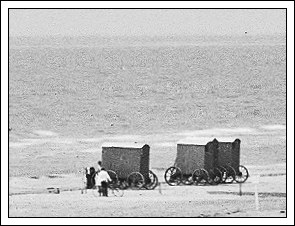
{"x":204,"y":140}
{"x":226,"y":139}
{"x":195,"y":141}
{"x":123,"y":144}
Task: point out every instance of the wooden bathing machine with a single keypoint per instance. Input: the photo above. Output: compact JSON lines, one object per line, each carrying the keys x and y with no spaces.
{"x":213,"y":162}
{"x":208,"y":155}
{"x":126,"y":158}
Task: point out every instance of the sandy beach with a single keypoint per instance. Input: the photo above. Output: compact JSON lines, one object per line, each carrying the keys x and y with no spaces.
{"x":164,"y":201}
{"x":29,"y":196}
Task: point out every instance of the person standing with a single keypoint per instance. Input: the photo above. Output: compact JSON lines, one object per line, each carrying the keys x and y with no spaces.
{"x":96,"y":174}
{"x":90,"y":177}
{"x":103,"y":178}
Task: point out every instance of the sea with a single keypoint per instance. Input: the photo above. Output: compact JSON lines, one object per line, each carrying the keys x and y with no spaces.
{"x":95,"y":86}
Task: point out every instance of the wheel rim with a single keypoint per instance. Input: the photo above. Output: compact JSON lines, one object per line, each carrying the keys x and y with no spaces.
{"x":231,"y":174}
{"x":218,"y":175}
{"x":215,"y":176}
{"x":135,"y":180}
{"x":223,"y":174}
{"x":205,"y":177}
{"x":242,"y":175}
{"x":187,"y":179}
{"x":123,"y":184}
{"x":152,"y":177}
{"x":153,"y":181}
{"x":200,"y":176}
{"x":113,"y":176}
{"x":173,"y":176}
{"x":196,"y":176}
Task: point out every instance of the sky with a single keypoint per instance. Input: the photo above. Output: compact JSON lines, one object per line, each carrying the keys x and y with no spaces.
{"x":150,"y":22}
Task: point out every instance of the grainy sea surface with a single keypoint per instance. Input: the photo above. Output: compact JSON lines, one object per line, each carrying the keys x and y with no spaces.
{"x":91,"y":87}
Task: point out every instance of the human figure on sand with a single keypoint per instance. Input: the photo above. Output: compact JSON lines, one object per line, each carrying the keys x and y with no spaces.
{"x":102,"y":180}
{"x":90,"y":177}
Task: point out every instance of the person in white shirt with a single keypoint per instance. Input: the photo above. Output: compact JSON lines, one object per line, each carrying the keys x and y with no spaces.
{"x":102,"y":179}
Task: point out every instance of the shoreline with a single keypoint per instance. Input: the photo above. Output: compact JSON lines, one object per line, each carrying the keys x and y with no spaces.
{"x":47,"y":152}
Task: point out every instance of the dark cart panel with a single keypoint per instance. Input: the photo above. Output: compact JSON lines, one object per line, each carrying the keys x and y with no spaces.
{"x":125,"y":159}
{"x":229,"y":154}
{"x":196,"y":156}
{"x":190,"y":157}
{"x":211,"y":155}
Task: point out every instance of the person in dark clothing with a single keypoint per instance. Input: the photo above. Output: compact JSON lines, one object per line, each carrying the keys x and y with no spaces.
{"x":90,"y":178}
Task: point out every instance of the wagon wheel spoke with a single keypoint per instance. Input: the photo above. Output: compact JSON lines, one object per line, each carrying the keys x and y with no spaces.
{"x":173,"y":176}
{"x":218,"y":176}
{"x":223,"y":173}
{"x":242,"y":175}
{"x":204,"y":177}
{"x":113,"y":176}
{"x":187,"y":179}
{"x":211,"y":177}
{"x":152,"y":182}
{"x":123,"y":184}
{"x":152,"y":177}
{"x":200,"y":176}
{"x":231,"y":174}
{"x":196,"y":175}
{"x":135,"y":180}
{"x":215,"y":176}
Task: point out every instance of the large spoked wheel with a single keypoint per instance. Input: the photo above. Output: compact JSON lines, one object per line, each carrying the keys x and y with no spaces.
{"x":187,"y":179}
{"x":152,"y":182}
{"x":173,"y":176}
{"x":231,"y":175}
{"x":196,"y":176}
{"x":135,"y":180}
{"x":200,"y":177}
{"x":242,"y":175}
{"x":215,"y":176}
{"x":113,"y":176}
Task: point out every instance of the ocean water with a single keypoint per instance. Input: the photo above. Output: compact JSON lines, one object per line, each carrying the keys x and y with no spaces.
{"x":67,"y":96}
{"x":88,"y":87}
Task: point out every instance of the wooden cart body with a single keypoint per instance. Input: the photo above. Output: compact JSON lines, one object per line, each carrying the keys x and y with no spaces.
{"x":196,"y":156}
{"x":124,"y":158}
{"x":229,"y":154}
{"x":208,"y":155}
